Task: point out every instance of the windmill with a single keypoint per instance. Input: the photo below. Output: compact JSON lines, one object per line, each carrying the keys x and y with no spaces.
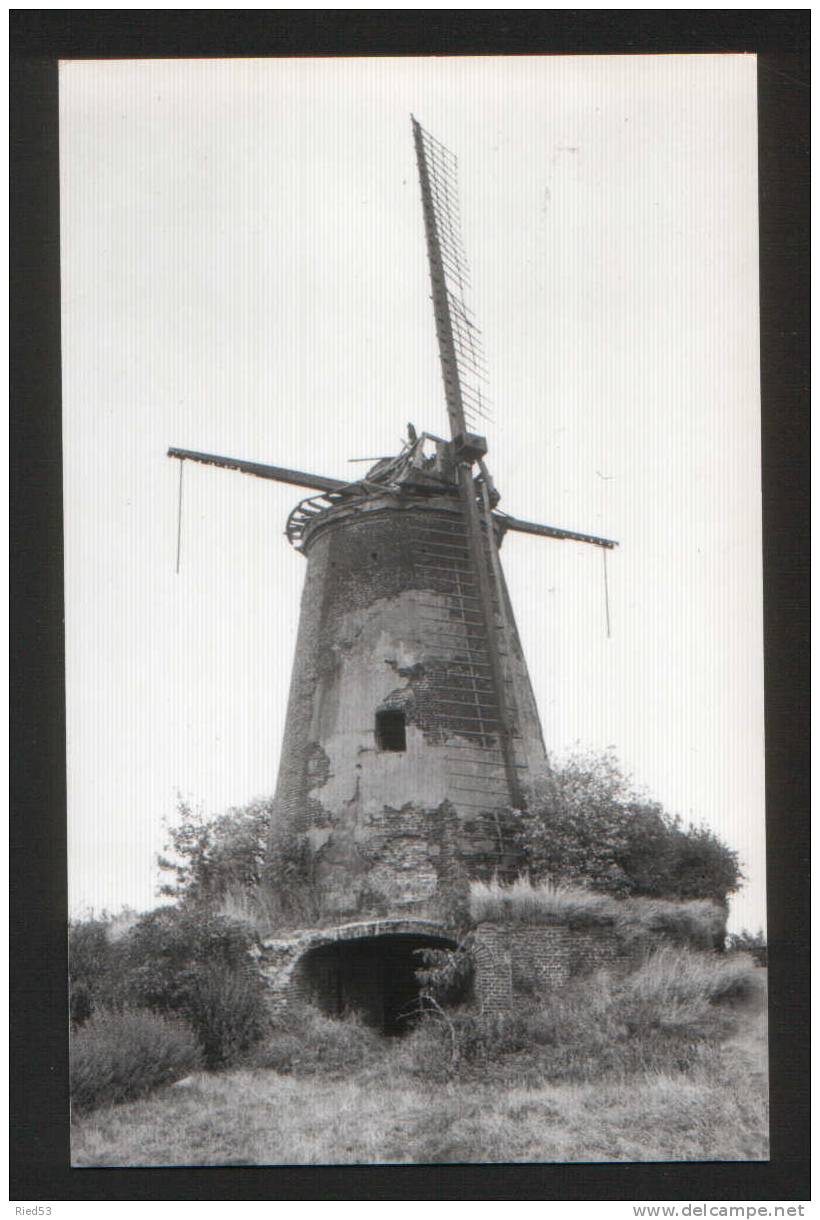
{"x":411,"y":726}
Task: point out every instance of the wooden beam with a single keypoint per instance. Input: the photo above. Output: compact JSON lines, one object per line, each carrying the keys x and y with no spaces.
{"x":550,"y":531}
{"x":279,"y":474}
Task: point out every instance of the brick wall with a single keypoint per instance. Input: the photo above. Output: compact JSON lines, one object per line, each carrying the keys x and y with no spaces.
{"x":516,"y":959}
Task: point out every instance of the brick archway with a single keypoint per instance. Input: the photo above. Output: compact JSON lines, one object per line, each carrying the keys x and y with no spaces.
{"x":366,"y":967}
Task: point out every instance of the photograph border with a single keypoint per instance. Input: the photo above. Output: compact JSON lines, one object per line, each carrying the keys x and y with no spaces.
{"x":38,"y":996}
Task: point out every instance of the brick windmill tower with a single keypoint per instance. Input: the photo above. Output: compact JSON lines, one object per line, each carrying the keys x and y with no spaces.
{"x":412,"y":729}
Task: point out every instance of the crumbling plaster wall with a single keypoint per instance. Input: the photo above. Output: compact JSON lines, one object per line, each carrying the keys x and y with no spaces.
{"x":366,"y":642}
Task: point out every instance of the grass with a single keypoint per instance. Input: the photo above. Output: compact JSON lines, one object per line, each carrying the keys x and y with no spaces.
{"x":686,"y":1081}
{"x":263,"y":1118}
{"x":699,"y":921}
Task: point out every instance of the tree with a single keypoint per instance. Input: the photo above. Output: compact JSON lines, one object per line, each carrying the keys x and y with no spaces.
{"x":234,"y":855}
{"x":217,"y":855}
{"x":588,"y":825}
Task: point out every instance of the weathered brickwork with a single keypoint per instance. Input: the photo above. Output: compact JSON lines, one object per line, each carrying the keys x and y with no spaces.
{"x":281,"y":960}
{"x":510,"y":960}
{"x":516,"y":960}
{"x":378,"y":632}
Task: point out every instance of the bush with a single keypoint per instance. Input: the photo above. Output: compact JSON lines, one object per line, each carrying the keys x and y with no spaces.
{"x":312,"y":1044}
{"x":95,"y":976}
{"x":588,"y":825}
{"x":117,"y":1056}
{"x":198,"y":965}
{"x":697,"y":923}
{"x":226,"y":1010}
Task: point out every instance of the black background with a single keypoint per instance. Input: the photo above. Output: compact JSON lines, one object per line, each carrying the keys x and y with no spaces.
{"x":40,"y":1155}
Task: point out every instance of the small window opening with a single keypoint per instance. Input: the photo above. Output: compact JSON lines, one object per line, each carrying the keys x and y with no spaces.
{"x":390,"y":731}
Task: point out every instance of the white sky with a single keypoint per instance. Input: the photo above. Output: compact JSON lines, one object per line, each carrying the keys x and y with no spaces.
{"x":243,"y":272}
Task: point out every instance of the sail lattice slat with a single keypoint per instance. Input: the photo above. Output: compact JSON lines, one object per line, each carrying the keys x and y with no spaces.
{"x":460,"y":345}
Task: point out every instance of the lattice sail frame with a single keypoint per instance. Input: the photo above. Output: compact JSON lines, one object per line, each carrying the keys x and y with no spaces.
{"x":463,"y":362}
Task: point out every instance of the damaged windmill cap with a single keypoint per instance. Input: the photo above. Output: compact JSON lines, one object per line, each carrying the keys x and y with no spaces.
{"x":469,"y":447}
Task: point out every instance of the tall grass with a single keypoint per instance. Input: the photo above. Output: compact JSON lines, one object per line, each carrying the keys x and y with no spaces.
{"x":663,"y":1017}
{"x":699,"y":922}
{"x":565,"y":1080}
{"x":310,"y":1044}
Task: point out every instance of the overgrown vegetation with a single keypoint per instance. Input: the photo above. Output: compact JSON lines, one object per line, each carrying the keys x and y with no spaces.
{"x":696,"y":922}
{"x":118,"y":1056}
{"x":176,"y":962}
{"x":667,"y":1063}
{"x":753,"y":943}
{"x":214,"y":856}
{"x":596,"y":853}
{"x":588,"y":825}
{"x":309,"y":1044}
{"x":661,"y":1017}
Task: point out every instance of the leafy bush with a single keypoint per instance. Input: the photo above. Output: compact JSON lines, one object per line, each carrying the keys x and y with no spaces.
{"x":117,"y":1056}
{"x":95,"y":976}
{"x":233,"y":861}
{"x":445,"y":975}
{"x":698,"y":923}
{"x":217,"y":854}
{"x":588,"y":825}
{"x":198,"y":965}
{"x":89,"y":965}
{"x":309,"y":1043}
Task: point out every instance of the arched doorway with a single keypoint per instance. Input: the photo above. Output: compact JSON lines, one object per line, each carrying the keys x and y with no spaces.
{"x":372,"y":975}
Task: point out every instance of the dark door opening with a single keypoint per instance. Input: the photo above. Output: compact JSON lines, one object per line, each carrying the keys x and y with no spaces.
{"x":375,"y":976}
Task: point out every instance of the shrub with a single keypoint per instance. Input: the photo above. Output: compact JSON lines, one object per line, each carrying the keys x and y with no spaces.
{"x":213,"y":855}
{"x":699,"y":923}
{"x":226,"y":1010}
{"x":309,"y":1043}
{"x":587,"y":824}
{"x":94,"y":967}
{"x":117,"y":1056}
{"x":198,"y":965}
{"x":445,"y":975}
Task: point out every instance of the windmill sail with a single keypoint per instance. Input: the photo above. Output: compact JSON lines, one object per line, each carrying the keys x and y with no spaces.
{"x":464,"y":373}
{"x":459,"y":339}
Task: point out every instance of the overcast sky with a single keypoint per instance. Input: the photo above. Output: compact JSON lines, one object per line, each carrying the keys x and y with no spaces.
{"x":243,"y":272}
